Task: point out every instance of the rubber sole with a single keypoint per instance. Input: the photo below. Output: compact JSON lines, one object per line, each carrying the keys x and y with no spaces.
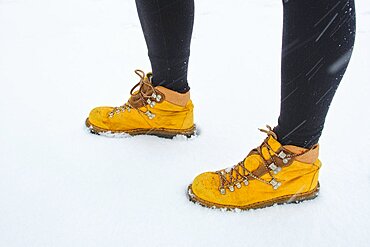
{"x":296,"y":198}
{"x":165,"y":133}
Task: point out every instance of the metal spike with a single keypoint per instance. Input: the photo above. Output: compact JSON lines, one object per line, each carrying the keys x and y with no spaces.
{"x":285,"y":161}
{"x":238,"y":185}
{"x":222,"y":191}
{"x":246,"y":182}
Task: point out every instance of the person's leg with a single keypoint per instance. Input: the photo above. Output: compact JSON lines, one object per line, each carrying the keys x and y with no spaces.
{"x":167,"y":27}
{"x":318,"y":39}
{"x":160,"y":103}
{"x":317,"y":45}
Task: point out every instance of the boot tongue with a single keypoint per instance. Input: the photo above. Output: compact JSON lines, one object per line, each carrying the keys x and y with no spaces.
{"x":146,"y":89}
{"x":273,"y":143}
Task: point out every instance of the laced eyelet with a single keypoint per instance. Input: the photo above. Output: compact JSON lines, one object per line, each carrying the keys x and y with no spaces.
{"x":282,"y":155}
{"x":275,"y":184}
{"x":150,"y":114}
{"x":145,"y":99}
{"x":151,"y":103}
{"x":158,"y":98}
{"x":231,"y":188}
{"x":276,"y":169}
{"x":239,"y":174}
{"x":117,"y":110}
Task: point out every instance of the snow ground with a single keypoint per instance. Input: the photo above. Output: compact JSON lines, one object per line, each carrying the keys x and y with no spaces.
{"x":61,"y":186}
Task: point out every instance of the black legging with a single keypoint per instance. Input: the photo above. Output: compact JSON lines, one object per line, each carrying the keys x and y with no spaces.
{"x":318,"y":39}
{"x":167,"y":27}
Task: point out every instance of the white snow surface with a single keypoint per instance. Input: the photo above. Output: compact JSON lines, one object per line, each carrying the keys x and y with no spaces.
{"x":61,"y":186}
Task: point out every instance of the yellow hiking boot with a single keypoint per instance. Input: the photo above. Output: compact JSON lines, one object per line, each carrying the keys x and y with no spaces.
{"x":150,"y":110}
{"x":270,"y":174}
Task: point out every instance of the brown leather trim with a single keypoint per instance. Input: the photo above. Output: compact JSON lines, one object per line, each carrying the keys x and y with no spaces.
{"x":180,"y":99}
{"x":136,"y":101}
{"x":259,"y":172}
{"x":262,"y":170}
{"x":309,"y":157}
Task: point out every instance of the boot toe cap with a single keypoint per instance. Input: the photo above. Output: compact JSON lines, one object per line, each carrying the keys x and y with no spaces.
{"x":206,"y":187}
{"x":99,"y":117}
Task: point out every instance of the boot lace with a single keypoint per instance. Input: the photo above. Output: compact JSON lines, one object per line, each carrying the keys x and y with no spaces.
{"x":144,"y":98}
{"x":239,"y":174}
